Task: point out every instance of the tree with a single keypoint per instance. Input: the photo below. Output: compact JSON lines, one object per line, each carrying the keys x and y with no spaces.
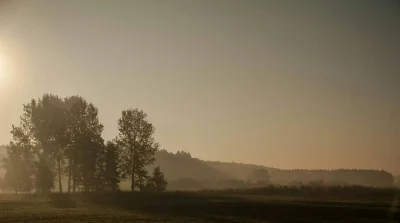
{"x":43,"y":124}
{"x":44,"y":176}
{"x":111,"y":176}
{"x":137,"y":145}
{"x":85,"y":143}
{"x":54,"y":130}
{"x":159,"y":181}
{"x":19,"y":168}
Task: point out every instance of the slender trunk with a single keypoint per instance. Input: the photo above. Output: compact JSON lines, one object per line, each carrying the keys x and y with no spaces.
{"x":69,"y":175}
{"x":133,"y":170}
{"x":59,"y":174}
{"x":74,"y":177}
{"x":133,"y":177}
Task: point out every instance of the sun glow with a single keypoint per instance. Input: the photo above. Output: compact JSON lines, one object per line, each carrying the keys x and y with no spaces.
{"x":2,"y":67}
{"x":4,"y":77}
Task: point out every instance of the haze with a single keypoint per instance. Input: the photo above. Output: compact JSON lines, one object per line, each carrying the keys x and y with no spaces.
{"x":286,"y":84}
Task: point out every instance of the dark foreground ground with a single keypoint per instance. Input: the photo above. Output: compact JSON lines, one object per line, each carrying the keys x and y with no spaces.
{"x":192,"y":207}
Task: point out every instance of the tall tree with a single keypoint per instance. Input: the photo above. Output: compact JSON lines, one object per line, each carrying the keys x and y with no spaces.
{"x":43,"y":121}
{"x":44,"y":176}
{"x":85,"y":142}
{"x":137,"y":145}
{"x":111,"y":175}
{"x":52,"y":131}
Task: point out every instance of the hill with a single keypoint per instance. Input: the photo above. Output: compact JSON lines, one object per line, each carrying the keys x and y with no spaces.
{"x":237,"y":170}
{"x":182,"y":168}
{"x":182,"y":165}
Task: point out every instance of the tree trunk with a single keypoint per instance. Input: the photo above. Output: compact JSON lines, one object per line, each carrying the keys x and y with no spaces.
{"x":59,"y":174}
{"x":133,"y":177}
{"x":69,"y":175}
{"x":74,"y":177}
{"x":133,"y":169}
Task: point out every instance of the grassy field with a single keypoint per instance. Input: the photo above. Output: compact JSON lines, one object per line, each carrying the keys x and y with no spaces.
{"x":193,"y":207}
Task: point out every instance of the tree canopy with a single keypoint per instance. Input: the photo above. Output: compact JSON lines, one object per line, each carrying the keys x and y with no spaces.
{"x":59,"y":137}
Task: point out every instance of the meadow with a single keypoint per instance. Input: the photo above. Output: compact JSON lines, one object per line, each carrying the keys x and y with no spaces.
{"x":257,"y":205}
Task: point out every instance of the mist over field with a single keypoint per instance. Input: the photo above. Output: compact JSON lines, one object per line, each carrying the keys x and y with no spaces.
{"x":200,"y":111}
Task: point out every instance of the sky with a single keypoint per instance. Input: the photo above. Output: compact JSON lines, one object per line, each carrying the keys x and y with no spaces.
{"x":286,"y":84}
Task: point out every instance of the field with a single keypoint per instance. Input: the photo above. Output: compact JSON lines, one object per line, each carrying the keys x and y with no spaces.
{"x":194,"y":207}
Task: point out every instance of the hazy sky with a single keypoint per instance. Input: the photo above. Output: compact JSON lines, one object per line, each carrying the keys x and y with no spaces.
{"x":288,"y":84}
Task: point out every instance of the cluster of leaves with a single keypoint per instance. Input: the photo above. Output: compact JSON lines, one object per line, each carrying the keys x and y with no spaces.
{"x":62,"y":137}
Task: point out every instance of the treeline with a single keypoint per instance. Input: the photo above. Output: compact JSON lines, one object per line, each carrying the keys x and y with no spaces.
{"x":197,"y":174}
{"x":340,"y":177}
{"x":59,"y":137}
{"x":256,"y":178}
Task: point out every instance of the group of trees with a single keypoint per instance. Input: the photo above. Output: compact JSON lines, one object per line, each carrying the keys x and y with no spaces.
{"x":60,"y":137}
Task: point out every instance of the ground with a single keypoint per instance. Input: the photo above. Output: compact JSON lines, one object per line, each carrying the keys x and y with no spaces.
{"x":192,"y":207}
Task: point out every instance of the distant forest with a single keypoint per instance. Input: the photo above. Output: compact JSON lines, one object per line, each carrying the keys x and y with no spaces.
{"x":58,"y":144}
{"x":199,"y":174}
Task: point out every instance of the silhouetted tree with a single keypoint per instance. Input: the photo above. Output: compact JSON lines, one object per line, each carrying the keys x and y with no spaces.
{"x":85,"y":142}
{"x":137,"y":145}
{"x":43,"y":123}
{"x":19,"y":168}
{"x":160,"y":183}
{"x":52,"y":131}
{"x":44,"y":176}
{"x":111,"y":177}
